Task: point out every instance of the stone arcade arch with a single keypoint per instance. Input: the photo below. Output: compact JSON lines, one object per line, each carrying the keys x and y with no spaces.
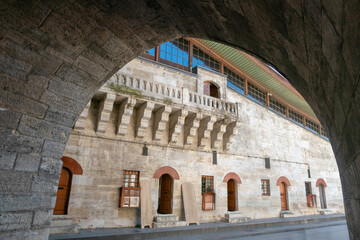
{"x":56,"y":55}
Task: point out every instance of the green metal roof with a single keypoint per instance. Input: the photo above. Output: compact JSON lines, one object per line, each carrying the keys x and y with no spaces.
{"x":241,"y":61}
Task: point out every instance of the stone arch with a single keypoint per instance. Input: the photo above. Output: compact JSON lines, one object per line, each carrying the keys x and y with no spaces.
{"x":166,"y":170}
{"x":321,"y":181}
{"x":67,"y":69}
{"x":232,"y":175}
{"x":283,"y":179}
{"x":72,"y":165}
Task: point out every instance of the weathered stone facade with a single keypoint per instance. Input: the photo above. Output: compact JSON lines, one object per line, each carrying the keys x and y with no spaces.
{"x":56,"y":54}
{"x":104,"y":153}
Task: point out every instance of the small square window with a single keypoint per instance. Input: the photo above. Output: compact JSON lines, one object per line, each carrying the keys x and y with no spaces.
{"x":130,"y":178}
{"x":265,"y":187}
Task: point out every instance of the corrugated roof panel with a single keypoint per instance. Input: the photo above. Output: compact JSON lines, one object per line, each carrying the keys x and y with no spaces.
{"x":256,"y":72}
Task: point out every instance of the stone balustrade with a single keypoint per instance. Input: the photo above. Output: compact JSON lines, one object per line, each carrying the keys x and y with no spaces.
{"x":196,"y":99}
{"x":149,"y":88}
{"x":174,"y":94}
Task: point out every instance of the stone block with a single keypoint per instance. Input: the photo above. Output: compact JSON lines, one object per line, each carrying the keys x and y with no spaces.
{"x":71,"y":74}
{"x":13,"y":142}
{"x":16,"y":202}
{"x":37,"y":127}
{"x":45,"y":183}
{"x":9,"y":119}
{"x":61,"y":102}
{"x":7,"y":159}
{"x":69,"y":90}
{"x":62,"y":117}
{"x":36,"y":56}
{"x":12,"y":221}
{"x":14,"y":181}
{"x":90,"y":67}
{"x":27,"y":162}
{"x":22,"y":104}
{"x":53,"y":149}
{"x":51,"y":166}
{"x":42,"y":217}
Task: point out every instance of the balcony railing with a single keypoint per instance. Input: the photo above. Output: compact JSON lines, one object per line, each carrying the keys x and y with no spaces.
{"x":176,"y":95}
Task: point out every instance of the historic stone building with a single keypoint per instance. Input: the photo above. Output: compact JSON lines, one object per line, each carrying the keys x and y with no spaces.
{"x":200,"y":112}
{"x":55,"y":55}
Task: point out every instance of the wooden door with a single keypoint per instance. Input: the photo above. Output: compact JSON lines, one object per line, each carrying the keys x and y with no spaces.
{"x":322,"y":196}
{"x":283,"y":196}
{"x":165,"y":194}
{"x":62,"y":196}
{"x":231,"y":187}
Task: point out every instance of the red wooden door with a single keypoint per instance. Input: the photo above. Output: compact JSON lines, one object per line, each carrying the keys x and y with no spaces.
{"x":231,"y":187}
{"x":283,"y":196}
{"x":62,"y":196}
{"x":165,"y":194}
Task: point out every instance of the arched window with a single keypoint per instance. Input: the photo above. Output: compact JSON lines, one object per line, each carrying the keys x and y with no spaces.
{"x":211,"y":89}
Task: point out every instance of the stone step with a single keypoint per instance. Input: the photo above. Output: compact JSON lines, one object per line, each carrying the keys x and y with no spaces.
{"x":73,"y":228}
{"x":286,"y":214}
{"x":237,"y":220}
{"x":234,"y":215}
{"x":61,"y":222}
{"x":325,"y":211}
{"x":166,"y":218}
{"x":169,"y":224}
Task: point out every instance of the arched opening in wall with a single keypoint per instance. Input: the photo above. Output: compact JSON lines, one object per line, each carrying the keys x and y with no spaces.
{"x":231,"y":195}
{"x":70,"y":167}
{"x":283,"y":196}
{"x":322,"y":195}
{"x":165,"y":194}
{"x":210,"y":89}
{"x":283,"y":183}
{"x":63,"y":192}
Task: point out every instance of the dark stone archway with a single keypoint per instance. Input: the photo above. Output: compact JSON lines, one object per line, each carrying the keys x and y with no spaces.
{"x":56,"y":54}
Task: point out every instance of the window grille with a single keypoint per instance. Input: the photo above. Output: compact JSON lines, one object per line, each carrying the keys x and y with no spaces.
{"x":235,"y":81}
{"x":175,"y":53}
{"x":256,"y":94}
{"x":208,"y":195}
{"x":323,"y":132}
{"x":277,"y":107}
{"x":308,"y":188}
{"x":265,"y":187}
{"x":207,"y":184}
{"x":312,"y":126}
{"x":130,"y":191}
{"x":204,"y":60}
{"x":296,"y":117}
{"x":130,"y":178}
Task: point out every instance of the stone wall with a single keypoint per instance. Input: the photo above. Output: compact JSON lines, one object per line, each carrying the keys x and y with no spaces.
{"x":94,"y":198}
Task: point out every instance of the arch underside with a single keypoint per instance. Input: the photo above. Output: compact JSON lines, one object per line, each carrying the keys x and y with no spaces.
{"x":55,"y":57}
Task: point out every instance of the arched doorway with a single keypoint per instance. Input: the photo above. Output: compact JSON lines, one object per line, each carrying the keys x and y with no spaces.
{"x":322,"y":196}
{"x":165,"y":194}
{"x":283,"y":183}
{"x":231,"y":190}
{"x":232,"y":179}
{"x":321,"y":184}
{"x":283,"y":196}
{"x":211,"y":89}
{"x":63,"y":192}
{"x":70,"y":167}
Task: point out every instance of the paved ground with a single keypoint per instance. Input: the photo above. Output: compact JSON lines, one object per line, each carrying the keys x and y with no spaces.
{"x":333,"y":230}
{"x":314,"y":227}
